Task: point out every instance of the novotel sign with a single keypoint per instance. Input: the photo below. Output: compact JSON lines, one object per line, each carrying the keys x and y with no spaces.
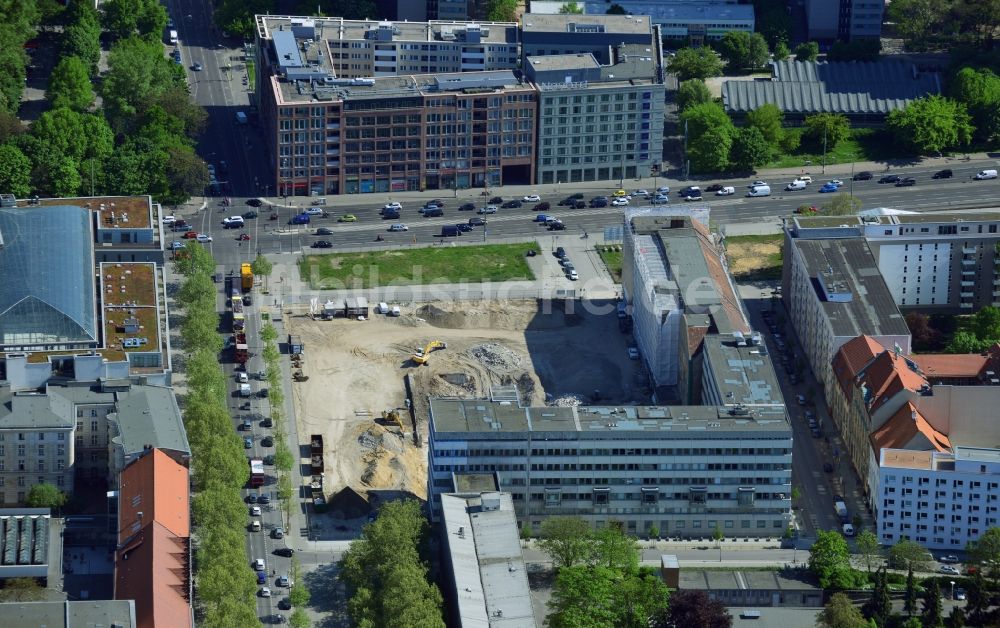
{"x":565,"y":85}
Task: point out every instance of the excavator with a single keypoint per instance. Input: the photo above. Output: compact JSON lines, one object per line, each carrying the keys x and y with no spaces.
{"x":391,"y":417}
{"x":422,"y":355}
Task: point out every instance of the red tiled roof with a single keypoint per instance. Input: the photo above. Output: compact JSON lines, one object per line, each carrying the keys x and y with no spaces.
{"x":853,"y":356}
{"x":717,"y":272}
{"x":902,"y":427}
{"x":152,"y":565}
{"x":887,"y":375}
{"x":951,"y":365}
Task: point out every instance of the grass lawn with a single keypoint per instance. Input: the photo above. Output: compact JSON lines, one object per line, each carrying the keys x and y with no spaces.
{"x":755,"y":256}
{"x":252,"y":75}
{"x":862,"y":145}
{"x":436,"y":264}
{"x":612,"y":258}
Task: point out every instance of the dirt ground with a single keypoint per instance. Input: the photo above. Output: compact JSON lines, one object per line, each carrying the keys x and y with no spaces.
{"x":748,"y":258}
{"x":356,"y":371}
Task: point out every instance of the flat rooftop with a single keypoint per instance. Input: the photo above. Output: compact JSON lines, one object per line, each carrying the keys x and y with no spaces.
{"x":742,"y":580}
{"x":484,"y":550}
{"x":475,"y":482}
{"x":481,"y":415}
{"x":906,"y":459}
{"x":444,"y":31}
{"x":136,"y":208}
{"x":586,"y":24}
{"x":947,"y":218}
{"x":70,"y":614}
{"x":849,"y":285}
{"x":744,"y":375}
{"x":415,"y":86}
{"x":129,"y":306}
{"x":977,"y":454}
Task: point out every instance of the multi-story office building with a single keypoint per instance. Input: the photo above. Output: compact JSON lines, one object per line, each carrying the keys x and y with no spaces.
{"x":686,"y":470}
{"x":363,"y":48}
{"x":844,"y":20}
{"x":689,"y":20}
{"x":934,"y":263}
{"x":942,"y":500}
{"x":599,"y":122}
{"x":834,"y":292}
{"x":676,"y":284}
{"x":599,"y":35}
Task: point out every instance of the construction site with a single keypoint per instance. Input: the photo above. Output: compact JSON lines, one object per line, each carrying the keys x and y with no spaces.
{"x":359,"y":378}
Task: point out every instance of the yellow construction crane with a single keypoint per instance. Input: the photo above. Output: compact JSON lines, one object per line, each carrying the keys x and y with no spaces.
{"x":422,"y":355}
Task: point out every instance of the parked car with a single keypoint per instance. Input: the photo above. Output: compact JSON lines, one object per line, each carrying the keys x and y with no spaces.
{"x":943,"y":174}
{"x":175,"y":245}
{"x":248,"y":442}
{"x":572,"y":275}
{"x":948,"y":559}
{"x":267,"y":441}
{"x":948,"y":569}
{"x":560,"y":252}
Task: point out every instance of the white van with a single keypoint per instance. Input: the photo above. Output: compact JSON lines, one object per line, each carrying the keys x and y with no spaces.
{"x":848,"y":529}
{"x":394,"y":311}
{"x":241,"y":117}
{"x":760,"y":190}
{"x":806,"y":178}
{"x":797,"y":184}
{"x":985,"y":174}
{"x":255,"y":526}
{"x":382,"y":308}
{"x":726,"y":191}
{"x":172,"y":38}
{"x":245,"y":390}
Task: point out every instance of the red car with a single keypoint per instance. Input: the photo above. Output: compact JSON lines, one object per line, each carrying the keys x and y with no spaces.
{"x":244,"y":237}
{"x":190,"y":235}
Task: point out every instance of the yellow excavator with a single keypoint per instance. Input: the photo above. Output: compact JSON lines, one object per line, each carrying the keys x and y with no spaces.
{"x":422,"y":355}
{"x":391,"y":417}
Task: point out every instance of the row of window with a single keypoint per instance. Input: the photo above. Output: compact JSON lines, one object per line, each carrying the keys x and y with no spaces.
{"x":645,"y":451}
{"x":33,"y":435}
{"x":41,"y":464}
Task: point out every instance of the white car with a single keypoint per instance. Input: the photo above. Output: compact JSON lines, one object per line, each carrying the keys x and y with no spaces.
{"x":573,"y":275}
{"x":203,"y":238}
{"x":265,"y":592}
{"x":618,"y":202}
{"x":314,"y":211}
{"x":398,"y":227}
{"x":836,"y":182}
{"x":258,"y":564}
{"x":254,"y":511}
{"x":169,"y":220}
{"x":948,"y":569}
{"x":242,"y":377}
{"x":531,"y":198}
{"x":641,"y":192}
{"x":393,"y":205}
{"x":759,"y":182}
{"x":663,"y":189}
{"x":233,"y":220}
{"x":726,"y":191}
{"x":489,"y":209}
{"x":696,"y":196}
{"x":284,"y":581}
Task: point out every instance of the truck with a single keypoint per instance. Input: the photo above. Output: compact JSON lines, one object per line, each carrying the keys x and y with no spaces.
{"x":841,"y":509}
{"x":256,"y":472}
{"x":239,"y":322}
{"x":317,"y":493}
{"x":294,"y":344}
{"x":242,"y":349}
{"x":316,"y":453}
{"x":246,"y":277}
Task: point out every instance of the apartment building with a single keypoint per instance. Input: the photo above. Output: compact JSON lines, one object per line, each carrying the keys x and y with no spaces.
{"x":942,"y":500}
{"x":944,"y":263}
{"x":833,"y":292}
{"x":683,"y":469}
{"x":844,"y":20}
{"x":599,"y":122}
{"x":737,"y":372}
{"x":687,"y":21}
{"x":36,"y":444}
{"x":676,"y":285}
{"x":570,"y":34}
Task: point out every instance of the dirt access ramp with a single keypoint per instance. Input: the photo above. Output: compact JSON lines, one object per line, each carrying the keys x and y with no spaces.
{"x":356,"y":370}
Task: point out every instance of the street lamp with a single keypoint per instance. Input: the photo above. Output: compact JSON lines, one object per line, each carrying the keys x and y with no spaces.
{"x":953,"y":589}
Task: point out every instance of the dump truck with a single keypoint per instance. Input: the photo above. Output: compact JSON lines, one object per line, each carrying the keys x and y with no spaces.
{"x":316,"y":453}
{"x":295,"y":344}
{"x":242,"y":348}
{"x":317,"y":493}
{"x":246,"y":277}
{"x":256,"y":472}
{"x":422,"y":355}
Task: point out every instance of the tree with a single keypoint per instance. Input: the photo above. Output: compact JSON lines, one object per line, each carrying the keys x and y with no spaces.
{"x":842,"y":204}
{"x":910,"y":598}
{"x":868,"y":548}
{"x":907,"y":554}
{"x":977,"y":598}
{"x":931,"y":124}
{"x":566,"y":540}
{"x":705,"y":116}
{"x":965,"y":342}
{"x":772,"y":21}
{"x":979,"y":91}
{"x":985,"y":552}
{"x":830,"y":561}
{"x":781,"y":51}
{"x":932,"y":604}
{"x":917,"y":21}
{"x":826,"y":130}
{"x":986,"y":324}
{"x":22,"y":590}
{"x":807,"y":51}
{"x":15,"y":171}
{"x":749,"y":149}
{"x":710,"y":151}
{"x":699,"y":63}
{"x":769,"y":120}
{"x":956,"y":619}
{"x":743,"y":51}
{"x":839,"y":612}
{"x":299,"y":619}
{"x":925,"y":336}
{"x":45,"y":495}
{"x":879,"y":606}
{"x":501,"y":10}
{"x":616,"y":9}
{"x":186,"y":175}
{"x":692,"y":92}
{"x":138,"y":73}
{"x":69,"y":85}
{"x":570,"y":7}
{"x":583,"y":596}
{"x":693,"y":607}
{"x":614,"y":549}
{"x":262,"y":267}
{"x":913,"y":622}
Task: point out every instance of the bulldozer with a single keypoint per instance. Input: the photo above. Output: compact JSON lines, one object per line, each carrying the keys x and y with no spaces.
{"x":299,"y":376}
{"x":422,"y":355}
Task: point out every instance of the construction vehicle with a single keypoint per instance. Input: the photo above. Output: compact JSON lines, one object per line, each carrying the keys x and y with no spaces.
{"x":242,"y":348}
{"x":256,"y":472}
{"x":317,"y":494}
{"x":246,"y":277}
{"x":391,"y":417}
{"x":299,"y":376}
{"x":316,"y":453}
{"x":422,"y":355}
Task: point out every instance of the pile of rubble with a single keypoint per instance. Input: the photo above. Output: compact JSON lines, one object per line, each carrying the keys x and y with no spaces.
{"x":568,"y":401}
{"x":496,"y":357}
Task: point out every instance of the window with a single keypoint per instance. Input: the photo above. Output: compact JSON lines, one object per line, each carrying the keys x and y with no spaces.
{"x":601,"y":496}
{"x":697,"y":496}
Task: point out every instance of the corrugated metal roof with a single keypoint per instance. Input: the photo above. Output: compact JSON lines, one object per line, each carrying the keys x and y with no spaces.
{"x":843,"y":87}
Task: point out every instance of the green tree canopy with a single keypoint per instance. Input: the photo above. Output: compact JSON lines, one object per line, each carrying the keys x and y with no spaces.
{"x":710,"y":151}
{"x":22,"y":590}
{"x":868,"y":548}
{"x":45,"y":495}
{"x":879,"y":606}
{"x":15,"y":171}
{"x":566,"y":540}
{"x":931,"y":614}
{"x":829,"y":560}
{"x":69,"y":85}
{"x":842,"y":204}
{"x":695,"y":63}
{"x":839,"y":612}
{"x":781,"y":51}
{"x":692,"y":92}
{"x":743,"y":51}
{"x":807,"y":51}
{"x":124,"y":18}
{"x":931,"y":124}
{"x":985,"y":552}
{"x":501,"y":10}
{"x":705,"y":116}
{"x":831,"y":128}
{"x":769,"y":120}
{"x":979,"y":91}
{"x":571,"y":8}
{"x":603,"y":597}
{"x":616,"y":9}
{"x":749,"y":149}
{"x":907,"y":554}
{"x":910,"y":597}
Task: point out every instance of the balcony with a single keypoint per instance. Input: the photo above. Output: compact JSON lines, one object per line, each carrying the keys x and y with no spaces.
{"x":969,"y":272}
{"x":968,"y":250}
{"x":965,"y":305}
{"x":332,"y":126}
{"x":966,"y":295}
{"x":967,"y":284}
{"x":968,"y":262}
